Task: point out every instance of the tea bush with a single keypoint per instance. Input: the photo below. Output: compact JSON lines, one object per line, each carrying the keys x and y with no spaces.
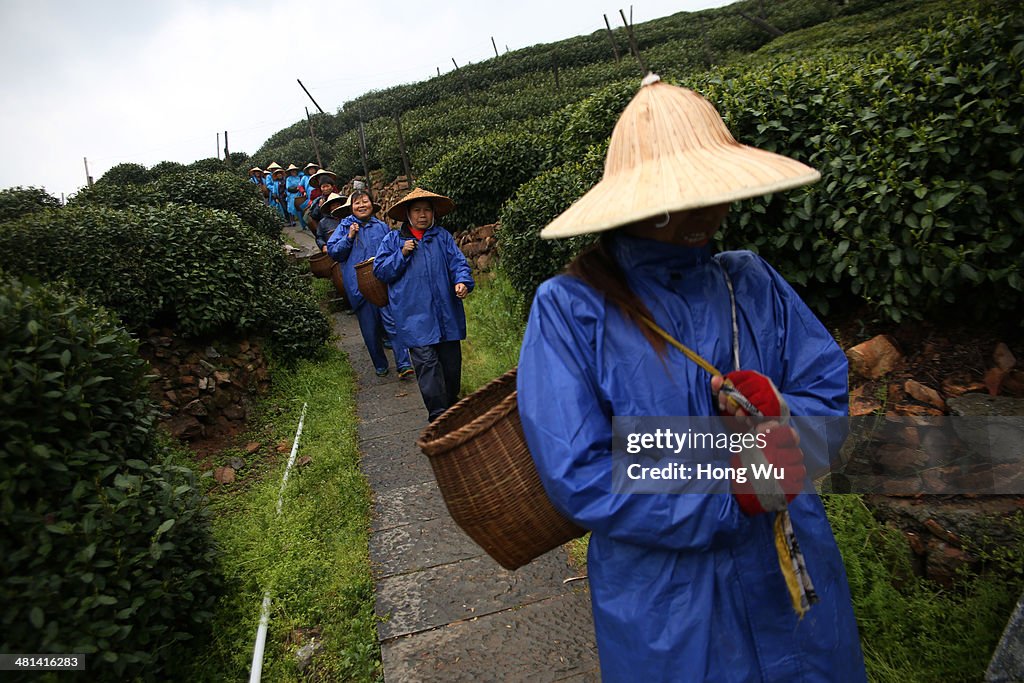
{"x":198,"y":270}
{"x":526,"y":259}
{"x":482,"y":173}
{"x":221,"y":190}
{"x":125,"y":174}
{"x":106,"y":550}
{"x":18,"y":201}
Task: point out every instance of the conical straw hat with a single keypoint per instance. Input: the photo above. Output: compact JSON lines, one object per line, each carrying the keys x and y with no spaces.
{"x":671,"y":151}
{"x":317,"y":178}
{"x":310,"y":165}
{"x":333,"y":205}
{"x":442,"y":205}
{"x":255,"y":169}
{"x":274,"y":166}
{"x":292,"y":167}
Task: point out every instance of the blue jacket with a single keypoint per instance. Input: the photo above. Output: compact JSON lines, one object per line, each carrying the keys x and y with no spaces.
{"x":685,"y":587}
{"x":349,"y":253}
{"x":324,"y":231}
{"x":292,"y":184}
{"x":421,"y":286}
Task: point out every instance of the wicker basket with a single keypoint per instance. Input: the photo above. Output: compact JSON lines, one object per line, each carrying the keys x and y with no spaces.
{"x":339,"y":284}
{"x":375,"y":291}
{"x":321,"y":264}
{"x":488,"y":479}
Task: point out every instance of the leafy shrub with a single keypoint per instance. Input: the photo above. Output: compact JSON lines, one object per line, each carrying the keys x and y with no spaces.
{"x":221,"y":190}
{"x":105,"y":549}
{"x":526,"y":259}
{"x":483,"y":173}
{"x":116,"y":196}
{"x":207,"y":165}
{"x":199,"y":270}
{"x":18,"y":201}
{"x":919,"y":203}
{"x":165,"y":168}
{"x":125,"y":174}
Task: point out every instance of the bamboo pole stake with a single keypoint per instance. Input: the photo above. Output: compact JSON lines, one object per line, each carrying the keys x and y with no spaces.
{"x":312,"y":138}
{"x":632,"y":42}
{"x":611,"y":38}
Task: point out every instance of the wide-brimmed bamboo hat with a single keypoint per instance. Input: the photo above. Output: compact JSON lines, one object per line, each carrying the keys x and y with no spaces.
{"x":310,"y":165}
{"x":335,"y":205}
{"x":671,"y":151}
{"x":255,"y":169}
{"x":442,"y":205}
{"x":274,"y":166}
{"x":292,"y":167}
{"x":317,"y":178}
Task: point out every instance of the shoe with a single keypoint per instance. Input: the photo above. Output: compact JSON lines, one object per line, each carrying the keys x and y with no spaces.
{"x":406,"y":373}
{"x":383,"y":373}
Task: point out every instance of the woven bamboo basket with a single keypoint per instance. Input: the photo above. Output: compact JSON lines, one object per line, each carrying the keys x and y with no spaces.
{"x":321,"y":264}
{"x":375,"y":291}
{"x":488,"y":479}
{"x":339,"y":284}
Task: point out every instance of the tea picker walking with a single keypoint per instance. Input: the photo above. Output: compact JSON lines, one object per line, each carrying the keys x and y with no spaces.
{"x":427,"y":278}
{"x":686,"y":587}
{"x":355,"y":240}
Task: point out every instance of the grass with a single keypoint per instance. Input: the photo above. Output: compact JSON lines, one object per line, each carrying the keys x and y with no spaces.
{"x":495,"y":323}
{"x":313,"y":558}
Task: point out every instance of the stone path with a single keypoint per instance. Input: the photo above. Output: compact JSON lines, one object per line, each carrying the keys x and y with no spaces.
{"x":448,"y":611}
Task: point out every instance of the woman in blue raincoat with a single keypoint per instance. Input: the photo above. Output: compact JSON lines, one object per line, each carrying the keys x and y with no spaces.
{"x":686,"y":587}
{"x":276,"y":187}
{"x":427,"y":277}
{"x":294,"y":189}
{"x":355,"y":240}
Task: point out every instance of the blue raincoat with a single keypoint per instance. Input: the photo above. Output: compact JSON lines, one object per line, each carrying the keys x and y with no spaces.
{"x":685,"y":587}
{"x":349,"y":253}
{"x":421,"y":286}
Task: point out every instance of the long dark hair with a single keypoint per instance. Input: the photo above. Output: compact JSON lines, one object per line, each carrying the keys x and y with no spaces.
{"x":596,"y":267}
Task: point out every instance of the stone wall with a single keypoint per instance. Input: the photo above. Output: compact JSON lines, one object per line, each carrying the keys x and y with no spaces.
{"x":203,"y":389}
{"x":480,"y":245}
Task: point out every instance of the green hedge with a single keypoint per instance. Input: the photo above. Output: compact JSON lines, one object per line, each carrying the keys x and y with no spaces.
{"x":221,"y":190}
{"x":198,"y":270}
{"x":105,"y":549}
{"x":919,"y":149}
{"x":18,"y":201}
{"x":217,"y":190}
{"x":483,"y":173}
{"x":125,"y":174}
{"x":919,"y":203}
{"x":526,"y":259}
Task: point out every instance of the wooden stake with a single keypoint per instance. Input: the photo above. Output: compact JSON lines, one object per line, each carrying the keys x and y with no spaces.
{"x":312,"y":138}
{"x":611,"y":37}
{"x":311,"y":97}
{"x":495,"y":46}
{"x":218,"y":145}
{"x":632,"y":43}
{"x":227,"y":154}
{"x":438,"y":71}
{"x":401,"y":147}
{"x":362,"y":150}
{"x":88,"y":178}
{"x":761,"y":24}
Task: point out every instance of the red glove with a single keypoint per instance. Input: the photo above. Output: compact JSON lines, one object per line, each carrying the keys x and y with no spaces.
{"x":760,"y":391}
{"x":782,"y":452}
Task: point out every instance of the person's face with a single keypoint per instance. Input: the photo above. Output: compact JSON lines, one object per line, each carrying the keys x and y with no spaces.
{"x":327,"y":187}
{"x":312,"y":171}
{"x":421,"y":214}
{"x":293,"y":173}
{"x":693,"y":228}
{"x":362,"y":207}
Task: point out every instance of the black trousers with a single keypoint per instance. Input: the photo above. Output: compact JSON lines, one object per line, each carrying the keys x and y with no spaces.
{"x":439,"y":375}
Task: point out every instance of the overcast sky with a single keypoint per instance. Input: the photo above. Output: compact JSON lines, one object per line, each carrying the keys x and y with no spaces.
{"x":128,"y":81}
